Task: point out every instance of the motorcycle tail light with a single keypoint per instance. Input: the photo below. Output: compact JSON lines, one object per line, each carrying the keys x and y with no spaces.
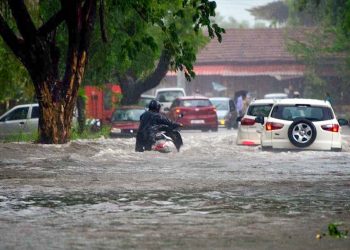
{"x":331,"y":127}
{"x":247,"y":122}
{"x":273,"y":126}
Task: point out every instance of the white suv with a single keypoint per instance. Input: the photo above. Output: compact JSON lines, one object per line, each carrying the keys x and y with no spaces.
{"x":167,"y":95}
{"x":249,"y":131}
{"x":301,"y":124}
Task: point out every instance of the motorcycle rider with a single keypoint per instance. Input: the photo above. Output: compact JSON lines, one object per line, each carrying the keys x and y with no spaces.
{"x":150,"y":121}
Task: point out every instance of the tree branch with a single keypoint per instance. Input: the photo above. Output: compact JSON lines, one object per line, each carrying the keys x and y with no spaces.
{"x":24,"y":21}
{"x":52,"y":23}
{"x":10,"y":38}
{"x":102,"y":22}
{"x":159,"y":73}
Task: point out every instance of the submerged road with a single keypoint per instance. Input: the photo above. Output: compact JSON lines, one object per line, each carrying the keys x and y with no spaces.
{"x":214,"y":194}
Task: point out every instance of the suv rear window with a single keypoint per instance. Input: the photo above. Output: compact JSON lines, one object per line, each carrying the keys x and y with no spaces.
{"x":195,"y":103}
{"x":262,"y":109}
{"x":312,"y":113}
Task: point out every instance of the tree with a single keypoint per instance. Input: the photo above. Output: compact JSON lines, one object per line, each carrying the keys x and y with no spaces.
{"x":146,"y":55}
{"x":323,"y":28}
{"x":34,"y":43}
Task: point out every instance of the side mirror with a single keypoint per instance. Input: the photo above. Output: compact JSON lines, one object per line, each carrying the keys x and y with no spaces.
{"x":260,"y":119}
{"x":343,"y":122}
{"x":239,"y":118}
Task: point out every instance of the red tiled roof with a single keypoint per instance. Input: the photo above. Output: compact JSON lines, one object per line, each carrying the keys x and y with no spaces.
{"x":247,"y":45}
{"x":248,"y":70}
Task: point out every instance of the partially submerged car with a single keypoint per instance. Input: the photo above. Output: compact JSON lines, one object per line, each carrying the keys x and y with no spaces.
{"x":226,"y":111}
{"x":125,"y":121}
{"x":21,"y":119}
{"x":249,"y":131}
{"x":194,"y":112}
{"x":301,"y":124}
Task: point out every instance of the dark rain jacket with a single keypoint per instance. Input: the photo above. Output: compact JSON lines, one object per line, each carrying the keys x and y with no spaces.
{"x":149,"y":126}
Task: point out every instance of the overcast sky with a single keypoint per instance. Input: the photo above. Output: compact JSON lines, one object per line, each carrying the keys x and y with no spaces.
{"x":238,"y":8}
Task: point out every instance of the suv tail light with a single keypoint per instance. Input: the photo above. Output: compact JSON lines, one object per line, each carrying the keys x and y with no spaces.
{"x":331,"y":127}
{"x":273,"y":126}
{"x":247,"y":122}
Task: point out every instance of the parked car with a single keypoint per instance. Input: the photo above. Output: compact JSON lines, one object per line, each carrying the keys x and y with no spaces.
{"x":226,"y":111}
{"x":22,"y":119}
{"x":301,"y":124}
{"x":276,"y":96}
{"x":249,"y":131}
{"x":145,"y":100}
{"x":167,"y":95}
{"x":194,"y":112}
{"x":126,"y":120}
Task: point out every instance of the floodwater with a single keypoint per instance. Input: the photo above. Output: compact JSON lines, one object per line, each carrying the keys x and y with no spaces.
{"x":100,"y":194}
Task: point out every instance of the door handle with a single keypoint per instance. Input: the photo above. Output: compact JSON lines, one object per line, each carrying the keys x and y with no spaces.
{"x":22,"y":123}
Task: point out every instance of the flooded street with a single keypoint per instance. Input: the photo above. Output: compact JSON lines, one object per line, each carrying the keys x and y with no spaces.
{"x":212,"y":195}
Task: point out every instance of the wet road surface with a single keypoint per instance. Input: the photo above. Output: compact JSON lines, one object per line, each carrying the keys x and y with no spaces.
{"x":214,"y":194}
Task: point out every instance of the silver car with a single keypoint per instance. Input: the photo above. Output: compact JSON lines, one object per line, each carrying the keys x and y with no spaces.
{"x":21,"y":119}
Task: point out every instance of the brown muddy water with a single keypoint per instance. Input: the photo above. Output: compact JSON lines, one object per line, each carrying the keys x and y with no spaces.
{"x":101,"y":194}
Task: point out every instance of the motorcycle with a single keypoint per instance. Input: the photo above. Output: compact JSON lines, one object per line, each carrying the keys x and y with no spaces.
{"x":166,"y":138}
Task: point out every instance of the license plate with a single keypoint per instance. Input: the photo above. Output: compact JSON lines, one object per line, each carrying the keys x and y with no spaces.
{"x":197,"y":121}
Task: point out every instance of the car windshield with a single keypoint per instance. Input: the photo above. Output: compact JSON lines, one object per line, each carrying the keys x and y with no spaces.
{"x":169,"y":96}
{"x":220,"y":104}
{"x":127,"y":115}
{"x":259,"y":110}
{"x":144,"y":101}
{"x":311,"y":113}
{"x":195,"y":103}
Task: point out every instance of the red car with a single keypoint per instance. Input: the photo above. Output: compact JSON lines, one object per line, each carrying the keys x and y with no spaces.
{"x":194,"y":112}
{"x":126,"y":120}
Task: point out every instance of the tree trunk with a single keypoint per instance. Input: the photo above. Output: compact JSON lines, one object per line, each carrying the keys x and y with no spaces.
{"x":132,"y":89}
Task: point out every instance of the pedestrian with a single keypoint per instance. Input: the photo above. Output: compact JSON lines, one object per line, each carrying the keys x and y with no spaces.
{"x":239,"y":105}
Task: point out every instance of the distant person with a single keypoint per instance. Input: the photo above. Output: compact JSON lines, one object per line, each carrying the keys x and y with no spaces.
{"x":246,"y":102}
{"x":150,"y":121}
{"x":239,"y":105}
{"x":329,"y":98}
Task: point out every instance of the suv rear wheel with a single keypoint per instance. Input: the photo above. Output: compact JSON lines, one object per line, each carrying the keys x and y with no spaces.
{"x":302,"y":133}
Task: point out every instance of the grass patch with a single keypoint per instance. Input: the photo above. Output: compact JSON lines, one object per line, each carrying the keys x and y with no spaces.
{"x":87,"y":134}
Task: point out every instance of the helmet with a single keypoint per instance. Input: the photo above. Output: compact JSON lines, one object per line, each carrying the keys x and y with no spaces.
{"x":154,"y":106}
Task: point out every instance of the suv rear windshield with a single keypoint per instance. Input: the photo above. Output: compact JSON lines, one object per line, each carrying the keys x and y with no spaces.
{"x":262,"y":109}
{"x":312,"y":113}
{"x":195,"y":103}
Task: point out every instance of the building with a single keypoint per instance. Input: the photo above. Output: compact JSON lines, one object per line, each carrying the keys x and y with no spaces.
{"x":252,"y":60}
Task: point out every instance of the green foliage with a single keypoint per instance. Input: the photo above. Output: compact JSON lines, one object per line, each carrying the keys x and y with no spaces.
{"x":21,"y":137}
{"x":328,"y":39}
{"x":15,"y":82}
{"x":334,"y":231}
{"x":87,"y":134}
{"x":138,"y":32}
